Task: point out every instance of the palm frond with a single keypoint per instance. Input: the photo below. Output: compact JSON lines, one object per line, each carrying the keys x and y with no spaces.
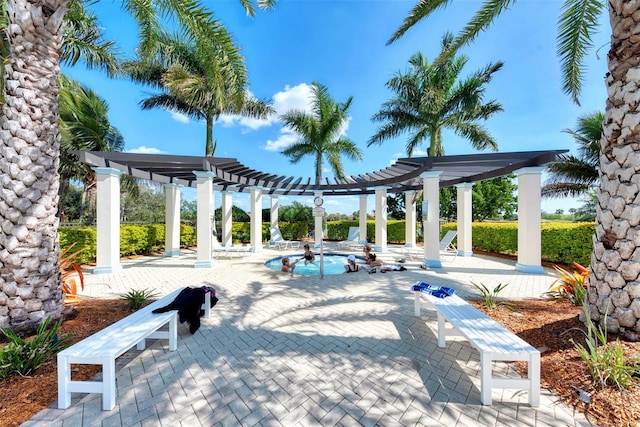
{"x":578,"y":20}
{"x":420,"y":11}
{"x":482,"y":20}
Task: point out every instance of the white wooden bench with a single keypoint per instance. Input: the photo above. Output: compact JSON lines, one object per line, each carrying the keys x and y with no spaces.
{"x":492,"y":340}
{"x":106,"y":345}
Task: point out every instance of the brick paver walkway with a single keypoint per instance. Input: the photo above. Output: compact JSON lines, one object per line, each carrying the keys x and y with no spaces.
{"x":345,"y":350}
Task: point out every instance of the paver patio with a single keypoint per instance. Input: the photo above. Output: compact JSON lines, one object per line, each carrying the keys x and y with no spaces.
{"x":344,"y":350}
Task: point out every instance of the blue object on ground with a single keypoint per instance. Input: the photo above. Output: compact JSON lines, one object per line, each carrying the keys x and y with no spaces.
{"x":436,"y":291}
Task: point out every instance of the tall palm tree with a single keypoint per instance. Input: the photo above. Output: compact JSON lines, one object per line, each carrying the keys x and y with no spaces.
{"x":429,"y":98}
{"x":576,"y":175}
{"x":202,"y":89}
{"x":320,"y":131}
{"x":613,"y":285}
{"x":30,"y":142}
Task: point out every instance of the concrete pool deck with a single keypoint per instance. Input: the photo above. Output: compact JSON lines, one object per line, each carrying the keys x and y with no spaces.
{"x":343,"y":350}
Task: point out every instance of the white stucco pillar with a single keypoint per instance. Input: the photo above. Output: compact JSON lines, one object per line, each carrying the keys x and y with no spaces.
{"x":319,"y":231}
{"x":410,"y":219}
{"x":256,"y":219}
{"x":172,"y":220}
{"x":107,"y":220}
{"x":204,"y":200}
{"x":465,"y":218}
{"x":226,"y":226}
{"x":274,"y":211}
{"x":381,"y":219}
{"x":431,"y":224}
{"x":363,"y":219}
{"x":529,"y":214}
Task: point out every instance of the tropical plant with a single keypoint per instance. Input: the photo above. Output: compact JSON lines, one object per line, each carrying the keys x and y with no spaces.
{"x":138,"y":297}
{"x":202,"y":87}
{"x":490,"y":298}
{"x":430,"y":98}
{"x":319,"y":133}
{"x":23,"y":357}
{"x":576,"y":175}
{"x":71,"y":273}
{"x":570,"y":285}
{"x":606,"y":361}
{"x":33,"y":36}
{"x":578,"y":21}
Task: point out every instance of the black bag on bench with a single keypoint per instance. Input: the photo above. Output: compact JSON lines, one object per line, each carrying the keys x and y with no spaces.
{"x":188,"y":303}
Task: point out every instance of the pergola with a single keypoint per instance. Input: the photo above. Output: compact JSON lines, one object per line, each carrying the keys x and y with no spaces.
{"x":406,"y":175}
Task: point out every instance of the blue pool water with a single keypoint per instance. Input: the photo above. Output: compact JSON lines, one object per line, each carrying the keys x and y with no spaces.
{"x":333,"y":264}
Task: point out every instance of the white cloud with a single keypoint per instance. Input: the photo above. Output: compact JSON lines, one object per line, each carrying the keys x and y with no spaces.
{"x":179,"y":117}
{"x":286,"y":138}
{"x":291,"y":98}
{"x":146,"y":150}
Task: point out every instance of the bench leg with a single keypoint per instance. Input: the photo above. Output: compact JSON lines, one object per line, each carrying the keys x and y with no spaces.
{"x":207,"y":304}
{"x":534,"y":379}
{"x":64,"y":377}
{"x":173,"y":333}
{"x":442,"y":333}
{"x":141,"y":345}
{"x":108,"y":384}
{"x":485,"y":379}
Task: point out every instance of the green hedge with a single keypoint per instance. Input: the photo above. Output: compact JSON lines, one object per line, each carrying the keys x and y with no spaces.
{"x":561,"y":242}
{"x":134,"y":240}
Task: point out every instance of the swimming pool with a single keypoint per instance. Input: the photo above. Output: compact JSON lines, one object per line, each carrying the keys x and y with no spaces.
{"x":333,"y":264}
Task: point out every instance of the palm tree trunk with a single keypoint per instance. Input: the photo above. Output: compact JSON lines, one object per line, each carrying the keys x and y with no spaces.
{"x":319,"y":169}
{"x":209,"y":148}
{"x":29,"y":155}
{"x":614,"y":288}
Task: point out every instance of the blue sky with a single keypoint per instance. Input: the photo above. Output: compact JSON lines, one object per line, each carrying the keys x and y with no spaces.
{"x":341,"y":44}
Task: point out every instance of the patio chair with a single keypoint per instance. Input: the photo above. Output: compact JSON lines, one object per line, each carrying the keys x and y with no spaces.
{"x":218,"y":250}
{"x":447,"y":248}
{"x":279,"y":242}
{"x":352,"y":238}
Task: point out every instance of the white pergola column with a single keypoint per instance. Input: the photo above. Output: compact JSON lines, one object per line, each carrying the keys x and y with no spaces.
{"x":381,"y":219}
{"x":319,"y":232}
{"x":107,"y":220}
{"x":431,"y":224}
{"x":226,"y":227}
{"x":529,"y":214}
{"x":256,"y":219}
{"x":274,"y":211}
{"x":172,"y":220}
{"x":204,"y":200}
{"x":465,"y":218}
{"x":363,"y":218}
{"x":410,"y":219}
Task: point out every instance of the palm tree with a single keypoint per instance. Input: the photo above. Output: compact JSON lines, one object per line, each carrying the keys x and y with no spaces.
{"x":575,"y":175}
{"x":615,"y":236}
{"x":429,"y":98}
{"x":85,"y":126}
{"x":30,"y":144}
{"x":202,"y":89}
{"x":320,"y":132}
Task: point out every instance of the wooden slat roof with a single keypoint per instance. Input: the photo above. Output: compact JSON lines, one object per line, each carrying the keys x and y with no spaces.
{"x":403,"y":175}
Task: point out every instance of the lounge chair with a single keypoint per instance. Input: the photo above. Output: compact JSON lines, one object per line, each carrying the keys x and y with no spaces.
{"x":279,"y":242}
{"x":352,"y":238}
{"x":229,"y":251}
{"x":447,"y":248}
